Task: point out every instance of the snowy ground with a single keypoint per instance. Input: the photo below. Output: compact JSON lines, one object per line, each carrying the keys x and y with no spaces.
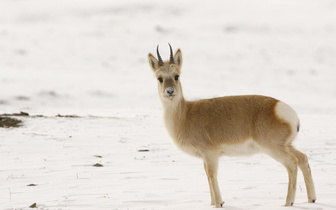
{"x":89,"y":58}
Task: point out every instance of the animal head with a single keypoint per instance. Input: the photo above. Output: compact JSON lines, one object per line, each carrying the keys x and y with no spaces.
{"x":167,"y":74}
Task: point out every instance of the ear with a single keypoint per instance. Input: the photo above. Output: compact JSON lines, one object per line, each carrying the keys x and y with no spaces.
{"x":178,"y":58}
{"x":153,"y":62}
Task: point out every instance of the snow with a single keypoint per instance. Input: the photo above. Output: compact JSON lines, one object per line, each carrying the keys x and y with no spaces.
{"x":89,"y":58}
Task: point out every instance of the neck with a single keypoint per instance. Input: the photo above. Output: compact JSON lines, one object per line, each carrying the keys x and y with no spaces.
{"x":175,"y":106}
{"x":174,"y":115}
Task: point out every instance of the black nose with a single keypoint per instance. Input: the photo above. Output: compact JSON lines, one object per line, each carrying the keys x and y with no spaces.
{"x":170,"y":90}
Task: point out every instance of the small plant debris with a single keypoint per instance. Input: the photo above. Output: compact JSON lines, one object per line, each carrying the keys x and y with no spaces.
{"x":33,"y":205}
{"x":22,"y":98}
{"x":143,"y":150}
{"x":98,"y":156}
{"x":8,"y":122}
{"x":21,"y":114}
{"x":98,"y":165}
{"x":32,"y":185}
{"x":67,"y":116}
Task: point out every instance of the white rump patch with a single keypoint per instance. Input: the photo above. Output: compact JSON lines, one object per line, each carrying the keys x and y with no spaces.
{"x":247,"y":148}
{"x":286,"y":113}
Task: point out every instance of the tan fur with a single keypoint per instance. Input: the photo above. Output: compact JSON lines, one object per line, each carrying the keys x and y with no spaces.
{"x":231,"y":125}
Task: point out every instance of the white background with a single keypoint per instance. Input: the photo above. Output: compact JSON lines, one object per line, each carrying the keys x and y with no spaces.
{"x":89,"y":58}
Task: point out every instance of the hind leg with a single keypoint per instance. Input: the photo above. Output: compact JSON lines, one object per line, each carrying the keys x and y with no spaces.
{"x":304,"y":166}
{"x":289,"y":160}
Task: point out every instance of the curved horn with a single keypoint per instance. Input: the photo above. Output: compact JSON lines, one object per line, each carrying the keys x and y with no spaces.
{"x":171,"y":61}
{"x":159,"y":57}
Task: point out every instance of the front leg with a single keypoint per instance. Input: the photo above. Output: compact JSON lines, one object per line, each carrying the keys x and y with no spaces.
{"x":211,"y":166}
{"x":210,"y":186}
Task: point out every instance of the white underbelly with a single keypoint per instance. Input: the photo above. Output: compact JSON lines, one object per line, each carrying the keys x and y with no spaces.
{"x":247,"y":148}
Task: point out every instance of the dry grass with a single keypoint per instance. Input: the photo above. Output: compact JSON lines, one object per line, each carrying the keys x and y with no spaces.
{"x":8,"y":122}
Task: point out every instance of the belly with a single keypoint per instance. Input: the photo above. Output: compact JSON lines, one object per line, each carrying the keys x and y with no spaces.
{"x":247,"y":148}
{"x":190,"y":150}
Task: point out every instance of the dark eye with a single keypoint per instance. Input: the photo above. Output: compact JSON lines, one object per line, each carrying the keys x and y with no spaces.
{"x":176,"y":77}
{"x":160,"y":79}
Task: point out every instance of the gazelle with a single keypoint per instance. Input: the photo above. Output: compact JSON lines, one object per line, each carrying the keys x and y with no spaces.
{"x":231,"y":125}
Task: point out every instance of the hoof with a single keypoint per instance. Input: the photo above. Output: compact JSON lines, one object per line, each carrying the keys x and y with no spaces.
{"x":311,"y":200}
{"x":220,"y":205}
{"x":289,"y":204}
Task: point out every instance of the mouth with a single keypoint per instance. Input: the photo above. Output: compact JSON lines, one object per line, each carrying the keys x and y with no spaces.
{"x":170,"y":96}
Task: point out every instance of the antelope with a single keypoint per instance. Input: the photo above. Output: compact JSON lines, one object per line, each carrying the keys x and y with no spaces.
{"x":231,"y":125}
